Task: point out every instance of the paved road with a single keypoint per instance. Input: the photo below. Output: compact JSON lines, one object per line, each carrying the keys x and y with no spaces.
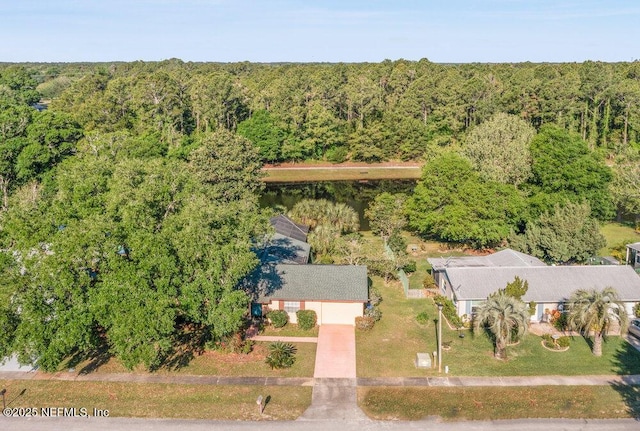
{"x":128,"y":424}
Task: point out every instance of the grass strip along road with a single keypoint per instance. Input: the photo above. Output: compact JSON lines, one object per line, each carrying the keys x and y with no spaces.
{"x":291,"y":173}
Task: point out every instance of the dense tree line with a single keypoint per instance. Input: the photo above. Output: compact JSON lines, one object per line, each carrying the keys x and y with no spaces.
{"x":367,"y":111}
{"x":128,"y":206}
{"x":110,"y":240}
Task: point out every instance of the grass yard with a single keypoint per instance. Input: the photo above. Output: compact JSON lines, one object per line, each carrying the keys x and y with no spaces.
{"x":342,"y":174}
{"x":389,"y":349}
{"x":161,"y":400}
{"x":213,"y":363}
{"x":289,"y":330}
{"x":477,"y":403}
{"x":617,"y":234}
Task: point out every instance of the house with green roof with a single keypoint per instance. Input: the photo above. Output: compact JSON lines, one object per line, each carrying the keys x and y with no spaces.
{"x":337,"y":293}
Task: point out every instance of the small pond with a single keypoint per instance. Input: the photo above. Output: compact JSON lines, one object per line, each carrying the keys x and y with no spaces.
{"x":356,"y":194}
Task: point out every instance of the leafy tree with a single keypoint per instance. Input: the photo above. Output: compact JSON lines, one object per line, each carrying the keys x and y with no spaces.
{"x":228,"y":164}
{"x":625,"y":187}
{"x":50,"y":138}
{"x":386,"y":214}
{"x":14,"y":121}
{"x":517,"y":288}
{"x":454,"y":204}
{"x":127,"y":253}
{"x":262,"y":130}
{"x":499,"y":149}
{"x":569,"y":234}
{"x":505,"y":318}
{"x":17,"y":84}
{"x":564,"y":168}
{"x":594,"y":311}
{"x":349,"y":248}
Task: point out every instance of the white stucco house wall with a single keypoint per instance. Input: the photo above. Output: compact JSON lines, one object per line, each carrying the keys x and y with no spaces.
{"x":337,"y":293}
{"x":467,"y":281}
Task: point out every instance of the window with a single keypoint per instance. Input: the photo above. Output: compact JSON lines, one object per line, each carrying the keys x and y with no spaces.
{"x":291,"y":306}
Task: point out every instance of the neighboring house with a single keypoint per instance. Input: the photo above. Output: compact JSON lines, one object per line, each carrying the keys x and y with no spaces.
{"x":287,"y":227}
{"x":287,"y":245}
{"x":633,"y":255}
{"x":337,"y":293}
{"x":469,"y":280}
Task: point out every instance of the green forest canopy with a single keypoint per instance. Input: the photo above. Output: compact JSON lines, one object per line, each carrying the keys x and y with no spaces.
{"x":129,"y":206}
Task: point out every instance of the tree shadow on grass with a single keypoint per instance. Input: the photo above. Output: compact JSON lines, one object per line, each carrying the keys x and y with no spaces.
{"x":91,"y":360}
{"x":187,"y":344}
{"x":627,"y":363}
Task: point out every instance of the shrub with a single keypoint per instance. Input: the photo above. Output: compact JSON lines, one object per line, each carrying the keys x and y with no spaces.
{"x":429,"y":282}
{"x":278,"y":318}
{"x":364,"y":323}
{"x":636,"y":310}
{"x":306,"y":319}
{"x":410,"y":267}
{"x":532,"y":307}
{"x":238,"y":344}
{"x":449,"y":310}
{"x":559,"y":320}
{"x":281,"y":355}
{"x":422,"y":318}
{"x":373,"y":312}
{"x":563,"y":342}
{"x":560,"y":343}
{"x":337,"y":154}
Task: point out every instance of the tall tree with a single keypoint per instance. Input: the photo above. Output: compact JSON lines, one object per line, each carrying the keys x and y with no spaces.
{"x":386,"y":214}
{"x":594,"y":312}
{"x":568,"y":234}
{"x":499,"y":149}
{"x":454,"y":204}
{"x":263,"y":131}
{"x":564,"y":168}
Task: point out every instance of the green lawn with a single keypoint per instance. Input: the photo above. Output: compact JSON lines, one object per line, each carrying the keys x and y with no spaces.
{"x":617,"y":235}
{"x":290,"y":330}
{"x":476,"y":403}
{"x":342,"y":174}
{"x":389,"y":349}
{"x":161,"y":400}
{"x":215,"y":363}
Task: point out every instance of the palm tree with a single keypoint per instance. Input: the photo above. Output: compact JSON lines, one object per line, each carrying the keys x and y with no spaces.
{"x":343,"y":217}
{"x":595,"y":311}
{"x":505,"y":318}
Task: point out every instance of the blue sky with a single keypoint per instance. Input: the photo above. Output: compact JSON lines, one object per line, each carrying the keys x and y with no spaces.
{"x":308,"y":31}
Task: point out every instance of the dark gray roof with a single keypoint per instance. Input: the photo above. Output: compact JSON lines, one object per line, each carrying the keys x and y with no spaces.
{"x":282,"y":249}
{"x":287,"y":227}
{"x":503,"y":258}
{"x":634,"y":246}
{"x":546,"y":284}
{"x":345,"y":283}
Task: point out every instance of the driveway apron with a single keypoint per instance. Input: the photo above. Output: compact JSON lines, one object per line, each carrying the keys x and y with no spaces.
{"x":334,"y":390}
{"x":336,"y":352}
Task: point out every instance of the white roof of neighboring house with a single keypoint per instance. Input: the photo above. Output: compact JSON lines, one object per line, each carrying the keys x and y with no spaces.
{"x":546,"y":283}
{"x":634,"y":246}
{"x":504,"y":258}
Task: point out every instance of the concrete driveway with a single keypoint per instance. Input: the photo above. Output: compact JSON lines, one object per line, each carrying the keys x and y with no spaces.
{"x":336,"y":352}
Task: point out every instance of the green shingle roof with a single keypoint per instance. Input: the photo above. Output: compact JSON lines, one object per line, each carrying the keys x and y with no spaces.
{"x":347,"y":283}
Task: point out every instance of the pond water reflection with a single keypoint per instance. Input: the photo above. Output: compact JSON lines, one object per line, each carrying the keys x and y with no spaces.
{"x":356,"y":194}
